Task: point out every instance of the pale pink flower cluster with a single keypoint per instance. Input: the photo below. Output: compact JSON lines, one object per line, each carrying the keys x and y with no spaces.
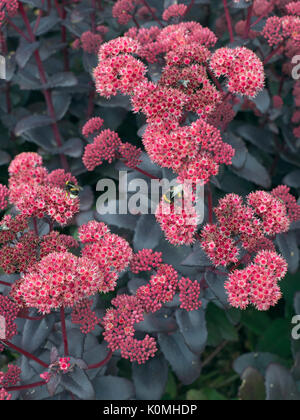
{"x":258,"y":283}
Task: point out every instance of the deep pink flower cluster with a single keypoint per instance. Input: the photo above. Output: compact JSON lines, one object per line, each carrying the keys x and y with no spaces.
{"x":20,"y":256}
{"x":9,"y":311}
{"x":55,"y":242}
{"x":59,"y":280}
{"x":258,"y":283}
{"x":119,"y":331}
{"x":119,"y":322}
{"x":83,"y":315}
{"x":34,"y":192}
{"x":280,"y":29}
{"x":11,"y":7}
{"x":117,"y":69}
{"x":194,"y":152}
{"x":265,"y":214}
{"x":124,"y":10}
{"x":111,"y":252}
{"x":93,"y":125}
{"x":3,"y":197}
{"x":130,"y":154}
{"x":174,"y":11}
{"x":261,"y":6}
{"x":220,"y":248}
{"x":64,"y":364}
{"x":179,"y":222}
{"x":10,"y":227}
{"x":89,"y":41}
{"x":293,"y":208}
{"x":271,"y":211}
{"x":189,"y":294}
{"x":145,"y":260}
{"x":11,"y":377}
{"x":244,"y":70}
{"x":107,"y":146}
{"x":104,"y":147}
{"x":161,"y":289}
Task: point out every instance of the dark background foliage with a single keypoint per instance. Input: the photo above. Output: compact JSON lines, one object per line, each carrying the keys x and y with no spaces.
{"x":215,"y":353}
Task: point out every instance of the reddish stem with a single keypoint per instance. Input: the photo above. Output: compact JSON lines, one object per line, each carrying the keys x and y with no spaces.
{"x":25,"y":353}
{"x":264,"y":14}
{"x":22,"y":387}
{"x":64,"y":330}
{"x":228,"y":19}
{"x":4,"y":283}
{"x":274,"y":52}
{"x":46,"y":92}
{"x":138,"y":169}
{"x":18,"y":30}
{"x":152,"y":13}
{"x":102,"y":363}
{"x":135,"y":22}
{"x":248,"y":23}
{"x":93,"y":16}
{"x":189,"y":7}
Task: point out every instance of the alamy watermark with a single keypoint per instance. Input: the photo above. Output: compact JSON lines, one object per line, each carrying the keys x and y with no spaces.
{"x":296,"y":68}
{"x":2,"y":67}
{"x":2,"y":328}
{"x":137,"y":196}
{"x":296,"y":329}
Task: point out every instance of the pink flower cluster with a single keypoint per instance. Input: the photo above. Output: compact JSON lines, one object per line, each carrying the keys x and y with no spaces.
{"x":293,"y":8}
{"x":37,"y":193}
{"x":112,"y":255}
{"x":293,"y":208}
{"x":9,"y":311}
{"x":179,"y":222}
{"x":83,"y":315}
{"x":11,"y":377}
{"x":59,"y":280}
{"x":124,"y":10}
{"x":119,"y":331}
{"x":89,"y":41}
{"x":194,"y":152}
{"x":257,"y":284}
{"x":280,"y":29}
{"x":11,"y":7}
{"x":174,"y":11}
{"x":244,"y":70}
{"x":3,"y":197}
{"x":21,"y":255}
{"x":119,"y":322}
{"x":265,"y":215}
{"x":107,"y":146}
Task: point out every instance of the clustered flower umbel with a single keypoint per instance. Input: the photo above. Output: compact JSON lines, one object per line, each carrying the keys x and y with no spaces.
{"x":37,"y":193}
{"x":11,"y":7}
{"x":251,"y":226}
{"x":107,"y":146}
{"x":119,"y":321}
{"x":10,"y":378}
{"x":193,"y":151}
{"x":61,"y":279}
